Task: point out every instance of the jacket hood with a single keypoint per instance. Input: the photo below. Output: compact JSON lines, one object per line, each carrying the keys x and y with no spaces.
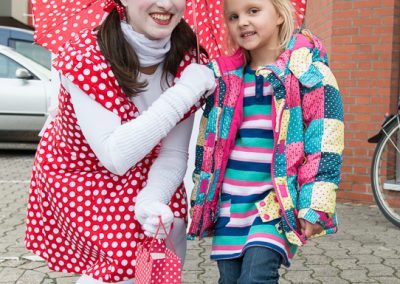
{"x":303,"y":51}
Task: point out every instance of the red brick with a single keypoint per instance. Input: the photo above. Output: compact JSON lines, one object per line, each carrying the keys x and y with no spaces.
{"x":364,"y":51}
{"x":359,"y":187}
{"x":365,"y":4}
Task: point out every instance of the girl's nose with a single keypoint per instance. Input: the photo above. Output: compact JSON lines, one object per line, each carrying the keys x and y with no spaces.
{"x":243,"y":22}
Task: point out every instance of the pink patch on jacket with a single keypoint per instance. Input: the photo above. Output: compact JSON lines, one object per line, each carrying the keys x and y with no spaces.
{"x":293,"y":159}
{"x":283,"y":191}
{"x":313,"y":105}
{"x":210,"y":139}
{"x":203,"y":186}
{"x":234,"y":86}
{"x":308,"y":171}
{"x":207,"y":162}
{"x":293,"y":92}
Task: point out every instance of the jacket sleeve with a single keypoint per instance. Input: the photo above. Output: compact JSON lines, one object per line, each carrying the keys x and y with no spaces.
{"x":322,"y":108}
{"x":201,"y":139}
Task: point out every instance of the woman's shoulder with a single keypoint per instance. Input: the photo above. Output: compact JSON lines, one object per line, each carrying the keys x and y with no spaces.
{"x":80,"y":52}
{"x":82,"y":44}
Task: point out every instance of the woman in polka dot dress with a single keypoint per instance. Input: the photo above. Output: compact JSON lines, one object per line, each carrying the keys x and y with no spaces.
{"x":113,"y":158}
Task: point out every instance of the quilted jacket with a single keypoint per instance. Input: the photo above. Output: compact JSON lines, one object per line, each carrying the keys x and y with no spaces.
{"x":308,"y":129}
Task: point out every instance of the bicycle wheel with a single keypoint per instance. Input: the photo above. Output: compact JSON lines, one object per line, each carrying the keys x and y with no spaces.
{"x":385,"y":173}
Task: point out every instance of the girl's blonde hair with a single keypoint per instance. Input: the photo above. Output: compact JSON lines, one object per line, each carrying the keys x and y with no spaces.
{"x":287,"y":28}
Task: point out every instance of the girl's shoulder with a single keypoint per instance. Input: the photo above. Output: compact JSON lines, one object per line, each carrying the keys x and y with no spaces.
{"x":227,"y":63}
{"x":305,"y":39}
{"x":307,"y":57}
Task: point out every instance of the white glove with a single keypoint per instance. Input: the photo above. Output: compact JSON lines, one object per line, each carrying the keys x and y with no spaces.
{"x":199,"y":79}
{"x":148,"y":213}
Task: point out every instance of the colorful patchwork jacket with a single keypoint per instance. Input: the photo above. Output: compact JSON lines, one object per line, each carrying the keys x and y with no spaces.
{"x":308,"y":139}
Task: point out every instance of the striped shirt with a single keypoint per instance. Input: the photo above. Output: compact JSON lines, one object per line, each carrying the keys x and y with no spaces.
{"x":248,"y":180}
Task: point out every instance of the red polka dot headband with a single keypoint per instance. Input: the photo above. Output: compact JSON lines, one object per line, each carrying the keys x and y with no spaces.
{"x":109,"y":5}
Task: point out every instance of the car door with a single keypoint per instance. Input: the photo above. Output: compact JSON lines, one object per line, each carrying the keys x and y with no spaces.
{"x":22,"y":101}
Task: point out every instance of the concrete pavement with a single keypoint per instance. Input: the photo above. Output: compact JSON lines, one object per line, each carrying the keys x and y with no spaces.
{"x":365,"y":250}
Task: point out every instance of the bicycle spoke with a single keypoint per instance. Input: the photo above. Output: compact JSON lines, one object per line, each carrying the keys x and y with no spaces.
{"x":391,"y":141}
{"x":385,"y":177}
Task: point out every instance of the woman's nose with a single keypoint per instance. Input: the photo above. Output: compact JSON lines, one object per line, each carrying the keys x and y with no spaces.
{"x":165,"y":4}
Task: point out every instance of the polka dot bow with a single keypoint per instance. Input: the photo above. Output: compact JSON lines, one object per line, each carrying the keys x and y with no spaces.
{"x":109,"y":5}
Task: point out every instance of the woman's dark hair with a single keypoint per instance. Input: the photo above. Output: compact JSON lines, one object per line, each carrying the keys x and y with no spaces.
{"x":123,"y":59}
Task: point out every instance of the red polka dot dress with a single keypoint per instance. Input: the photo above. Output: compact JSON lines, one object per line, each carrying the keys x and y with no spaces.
{"x":81,"y":216}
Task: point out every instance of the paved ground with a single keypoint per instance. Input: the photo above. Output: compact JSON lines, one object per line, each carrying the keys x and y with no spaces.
{"x":366,"y":249}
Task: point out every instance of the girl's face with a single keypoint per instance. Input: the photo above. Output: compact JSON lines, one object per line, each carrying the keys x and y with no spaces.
{"x":253,"y":24}
{"x":156,"y":19}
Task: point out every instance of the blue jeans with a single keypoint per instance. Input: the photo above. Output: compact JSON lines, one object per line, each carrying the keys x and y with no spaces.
{"x":258,"y":265}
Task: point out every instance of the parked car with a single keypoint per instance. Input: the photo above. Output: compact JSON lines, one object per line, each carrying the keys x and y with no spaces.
{"x":24,"y":96}
{"x":22,"y":41}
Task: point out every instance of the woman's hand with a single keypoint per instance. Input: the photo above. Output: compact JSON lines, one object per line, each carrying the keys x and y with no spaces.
{"x":149,"y":212}
{"x":198,"y":78}
{"x":309,"y":229}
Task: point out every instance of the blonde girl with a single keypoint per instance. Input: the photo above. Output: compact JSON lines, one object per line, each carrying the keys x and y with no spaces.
{"x":270,"y":145}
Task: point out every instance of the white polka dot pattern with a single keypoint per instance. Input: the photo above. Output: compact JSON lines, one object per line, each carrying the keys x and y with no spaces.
{"x":300,"y":10}
{"x":206,"y":18}
{"x":156,"y":264}
{"x":81,"y":216}
{"x":56,"y":21}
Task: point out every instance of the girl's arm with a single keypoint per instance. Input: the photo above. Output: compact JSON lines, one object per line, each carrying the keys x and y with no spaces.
{"x":196,"y":195}
{"x":319,"y":176}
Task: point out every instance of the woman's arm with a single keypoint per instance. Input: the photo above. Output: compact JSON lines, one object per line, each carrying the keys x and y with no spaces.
{"x":120,"y":146}
{"x":53,"y":90}
{"x":165,"y":176}
{"x":168,"y":170}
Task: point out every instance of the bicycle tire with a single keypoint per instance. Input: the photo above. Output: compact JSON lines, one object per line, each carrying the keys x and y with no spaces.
{"x":383,"y":171}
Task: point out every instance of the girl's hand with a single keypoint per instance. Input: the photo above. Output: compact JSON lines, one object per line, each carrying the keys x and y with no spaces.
{"x":309,"y":229}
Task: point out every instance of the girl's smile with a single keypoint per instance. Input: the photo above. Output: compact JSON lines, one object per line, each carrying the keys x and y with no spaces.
{"x":247,"y":35}
{"x":254,"y":25}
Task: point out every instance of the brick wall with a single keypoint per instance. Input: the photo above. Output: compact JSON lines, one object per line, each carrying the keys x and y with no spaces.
{"x":363,"y":42}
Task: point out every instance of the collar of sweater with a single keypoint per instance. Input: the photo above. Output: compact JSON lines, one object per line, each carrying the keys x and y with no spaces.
{"x":150,"y":52}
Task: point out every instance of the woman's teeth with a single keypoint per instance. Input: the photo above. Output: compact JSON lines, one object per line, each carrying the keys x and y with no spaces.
{"x":161,"y":17}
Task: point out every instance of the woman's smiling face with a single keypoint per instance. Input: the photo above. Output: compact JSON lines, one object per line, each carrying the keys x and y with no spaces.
{"x":156,"y":19}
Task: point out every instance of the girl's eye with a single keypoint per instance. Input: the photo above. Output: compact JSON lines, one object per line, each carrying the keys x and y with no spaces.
{"x":233,"y":17}
{"x":253,"y":11}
